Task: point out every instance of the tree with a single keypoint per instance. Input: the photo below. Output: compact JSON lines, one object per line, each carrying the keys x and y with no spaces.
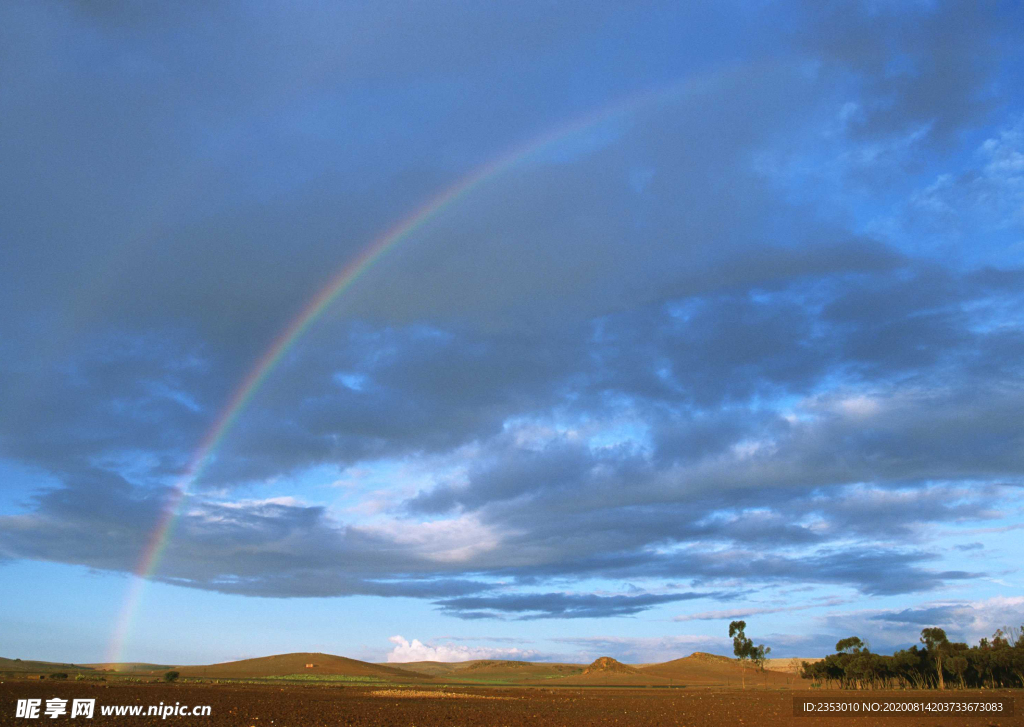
{"x":935,"y":641}
{"x":741,"y":645}
{"x":850,"y":645}
{"x":744,"y":648}
{"x":759,"y":656}
{"x":993,"y":662}
{"x":170,"y":676}
{"x":958,"y":665}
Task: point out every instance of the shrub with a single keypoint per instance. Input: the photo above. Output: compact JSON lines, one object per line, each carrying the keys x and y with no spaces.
{"x":170,"y":676}
{"x":59,"y":675}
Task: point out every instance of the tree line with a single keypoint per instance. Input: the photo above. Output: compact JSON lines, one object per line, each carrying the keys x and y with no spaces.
{"x":937,"y":663}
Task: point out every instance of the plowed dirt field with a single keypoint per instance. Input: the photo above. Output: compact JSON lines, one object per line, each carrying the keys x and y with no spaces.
{"x":313,"y":705}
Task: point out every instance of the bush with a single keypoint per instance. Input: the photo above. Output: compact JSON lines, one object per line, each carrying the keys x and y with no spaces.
{"x":59,"y":675}
{"x":170,"y":676}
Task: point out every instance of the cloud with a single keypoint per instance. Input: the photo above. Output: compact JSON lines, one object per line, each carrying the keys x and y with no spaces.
{"x":263,"y":548}
{"x":889,"y":630}
{"x":526,"y":606}
{"x":988,"y":193}
{"x":750,"y":368}
{"x":924,"y":85}
{"x":406,"y":651}
{"x":970,"y":546}
{"x":734,"y":613}
{"x":970,"y":620}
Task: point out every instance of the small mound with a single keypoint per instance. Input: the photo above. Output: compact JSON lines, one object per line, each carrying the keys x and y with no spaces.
{"x":705,"y":656}
{"x":608,"y":665}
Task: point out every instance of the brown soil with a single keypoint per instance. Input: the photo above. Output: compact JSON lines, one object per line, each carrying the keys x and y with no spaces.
{"x":313,"y":706}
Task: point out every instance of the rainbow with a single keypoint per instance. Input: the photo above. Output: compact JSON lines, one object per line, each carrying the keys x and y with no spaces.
{"x":159,"y":538}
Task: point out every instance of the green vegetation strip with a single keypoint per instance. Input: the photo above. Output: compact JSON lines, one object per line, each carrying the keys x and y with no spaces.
{"x":326,"y":678}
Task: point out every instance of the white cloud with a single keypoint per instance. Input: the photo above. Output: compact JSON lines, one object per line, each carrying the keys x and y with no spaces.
{"x":416,"y":650}
{"x":982,"y":618}
{"x":860,"y":406}
{"x":963,"y":620}
{"x":452,"y":540}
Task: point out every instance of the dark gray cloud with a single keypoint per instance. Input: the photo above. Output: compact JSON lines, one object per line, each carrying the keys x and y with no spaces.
{"x":919,"y":66}
{"x":282,"y":549}
{"x":872,"y":571}
{"x":873,"y":463}
{"x":255,"y":548}
{"x":935,"y":616}
{"x":649,"y":350}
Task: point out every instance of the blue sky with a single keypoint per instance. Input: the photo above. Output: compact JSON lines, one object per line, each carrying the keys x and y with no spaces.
{"x":742,"y":340}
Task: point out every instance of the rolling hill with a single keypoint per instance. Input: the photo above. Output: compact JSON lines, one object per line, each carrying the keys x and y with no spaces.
{"x":606,"y":671}
{"x":40,"y":666}
{"x":130,"y":667}
{"x":491,"y":670}
{"x":301,"y":663}
{"x":697,"y":670}
{"x":701,"y":669}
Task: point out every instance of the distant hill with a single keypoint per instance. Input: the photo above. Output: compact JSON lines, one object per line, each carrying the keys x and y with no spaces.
{"x":698,"y":669}
{"x":129,"y":667}
{"x":493,"y":670}
{"x":702,"y":669}
{"x":40,"y":666}
{"x":499,"y":664}
{"x":607,"y":671}
{"x":516,"y":670}
{"x":289,"y":664}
